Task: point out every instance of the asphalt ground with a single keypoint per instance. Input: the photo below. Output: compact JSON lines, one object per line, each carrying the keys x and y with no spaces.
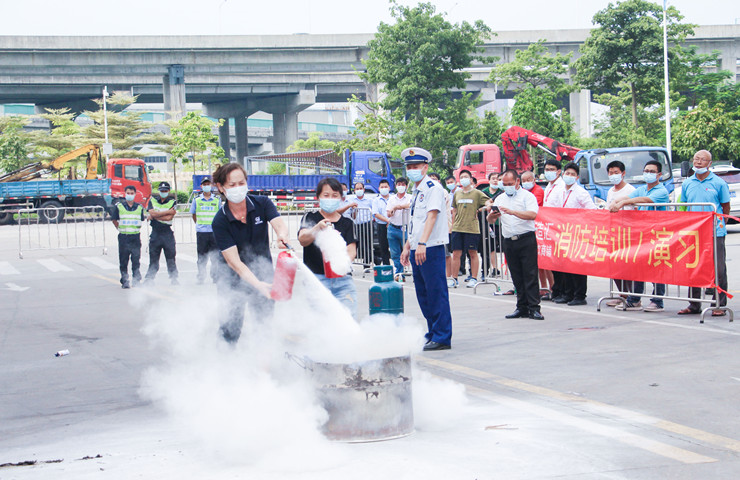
{"x":583,"y":394}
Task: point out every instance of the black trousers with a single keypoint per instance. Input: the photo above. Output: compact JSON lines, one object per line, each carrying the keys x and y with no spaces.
{"x":129,"y":246}
{"x":558,"y":284}
{"x":574,"y":286}
{"x":207,"y":249}
{"x":521,"y":257}
{"x":234,"y":297}
{"x":719,"y":248}
{"x":159,"y":241}
{"x":385,"y":253}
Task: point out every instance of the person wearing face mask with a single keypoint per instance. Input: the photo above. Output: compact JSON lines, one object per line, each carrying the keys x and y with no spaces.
{"x":203,"y":209}
{"x":492,"y":190}
{"x":362,"y":215}
{"x":424,"y":250}
{"x":329,"y":192}
{"x":529,"y":185}
{"x":245,"y":265}
{"x":706,"y":187}
{"x":380,"y":207}
{"x":517,"y":209}
{"x":552,"y":172}
{"x":573,"y":195}
{"x":161,"y":212}
{"x":398,"y":219}
{"x":651,"y":192}
{"x":620,"y":191}
{"x":465,"y":236}
{"x":127,"y":217}
{"x":346,"y":206}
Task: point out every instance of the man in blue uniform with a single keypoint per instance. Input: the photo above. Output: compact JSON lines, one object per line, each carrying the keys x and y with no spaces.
{"x":127,"y":217}
{"x":425,"y":249}
{"x":203,"y":209}
{"x":161,"y":212}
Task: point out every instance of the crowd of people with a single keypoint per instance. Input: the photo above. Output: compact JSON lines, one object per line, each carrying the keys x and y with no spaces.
{"x":432,"y":229}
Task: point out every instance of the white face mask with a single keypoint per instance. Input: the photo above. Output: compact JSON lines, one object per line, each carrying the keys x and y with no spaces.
{"x":616,"y":179}
{"x":385,"y":191}
{"x":206,"y":188}
{"x":236,"y":194}
{"x":528,"y":185}
{"x":401,"y":189}
{"x":465,"y":181}
{"x":360,"y":193}
{"x":551,"y":175}
{"x":569,"y":180}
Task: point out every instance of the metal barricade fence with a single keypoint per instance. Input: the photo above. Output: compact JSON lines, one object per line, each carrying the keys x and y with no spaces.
{"x":292,"y":220}
{"x":75,"y":227}
{"x":617,"y":294}
{"x":493,"y":262}
{"x":364,"y":227}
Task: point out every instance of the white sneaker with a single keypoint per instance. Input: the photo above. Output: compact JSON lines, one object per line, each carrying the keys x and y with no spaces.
{"x":451,"y":283}
{"x":613,"y":303}
{"x":472,"y":283}
{"x":632,"y":307}
{"x":653,"y":308}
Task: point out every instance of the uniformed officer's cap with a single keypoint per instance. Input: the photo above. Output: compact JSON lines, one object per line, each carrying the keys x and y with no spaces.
{"x":164,"y":186}
{"x":415,"y":155}
{"x":206,"y":179}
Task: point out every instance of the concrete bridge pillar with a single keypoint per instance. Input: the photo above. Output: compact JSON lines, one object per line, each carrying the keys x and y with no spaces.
{"x":224,"y":137}
{"x":242,"y":138}
{"x":580,"y":110}
{"x":729,"y":59}
{"x":284,"y":112}
{"x":174,"y":92}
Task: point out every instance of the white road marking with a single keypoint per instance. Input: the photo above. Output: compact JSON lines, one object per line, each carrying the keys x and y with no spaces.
{"x":99,"y":262}
{"x":53,"y":265}
{"x":7,"y":269}
{"x":15,"y":288}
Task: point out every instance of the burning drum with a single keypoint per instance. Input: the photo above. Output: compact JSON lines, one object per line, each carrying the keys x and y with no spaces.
{"x":366,"y":401}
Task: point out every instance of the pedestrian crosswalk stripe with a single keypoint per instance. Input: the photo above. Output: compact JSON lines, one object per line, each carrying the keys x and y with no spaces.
{"x":7,"y":269}
{"x":53,"y":265}
{"x":99,"y":262}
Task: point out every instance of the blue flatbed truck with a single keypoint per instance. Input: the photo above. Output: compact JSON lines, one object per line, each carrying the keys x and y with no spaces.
{"x":51,"y":196}
{"x":368,"y":168}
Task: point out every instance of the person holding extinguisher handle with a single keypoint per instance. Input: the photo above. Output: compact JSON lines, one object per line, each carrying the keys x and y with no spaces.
{"x":329,"y":193}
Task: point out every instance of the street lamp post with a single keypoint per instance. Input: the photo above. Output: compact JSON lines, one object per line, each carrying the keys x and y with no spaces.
{"x":107,"y":147}
{"x":665,"y":81}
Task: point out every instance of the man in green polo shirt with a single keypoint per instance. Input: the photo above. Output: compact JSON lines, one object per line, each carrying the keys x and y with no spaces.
{"x":466,"y":226}
{"x":127,"y":217}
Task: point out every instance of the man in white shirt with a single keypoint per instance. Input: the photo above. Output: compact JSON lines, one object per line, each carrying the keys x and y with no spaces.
{"x":620,"y":191}
{"x":573,"y":196}
{"x":398,"y":218}
{"x":517,"y":208}
{"x":362,"y":215}
{"x":553,"y":170}
{"x":380,"y":206}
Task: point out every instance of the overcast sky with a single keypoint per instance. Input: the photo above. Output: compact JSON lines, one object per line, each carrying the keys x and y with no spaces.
{"x":263,"y":17}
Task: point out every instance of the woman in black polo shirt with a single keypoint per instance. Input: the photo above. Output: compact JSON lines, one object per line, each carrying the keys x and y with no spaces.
{"x":241,"y":232}
{"x":329,"y":193}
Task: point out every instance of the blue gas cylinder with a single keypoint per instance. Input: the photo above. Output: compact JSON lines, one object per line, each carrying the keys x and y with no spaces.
{"x":386,"y":296}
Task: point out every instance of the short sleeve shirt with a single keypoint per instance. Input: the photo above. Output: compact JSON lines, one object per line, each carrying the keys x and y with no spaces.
{"x":428,"y":196}
{"x":710,"y":190}
{"x":658,"y":194}
{"x":613,"y":196}
{"x":216,"y":202}
{"x":364,"y":211}
{"x":380,"y":206}
{"x":522,"y":200}
{"x":251,"y":238}
{"x":552,"y":195}
{"x":466,"y":205}
{"x":312,"y":256}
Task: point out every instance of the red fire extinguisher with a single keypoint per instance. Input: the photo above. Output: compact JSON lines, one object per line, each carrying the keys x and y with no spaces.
{"x":285,"y":270}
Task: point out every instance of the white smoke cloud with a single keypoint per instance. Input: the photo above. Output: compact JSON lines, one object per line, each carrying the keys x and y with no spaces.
{"x":334,"y":249}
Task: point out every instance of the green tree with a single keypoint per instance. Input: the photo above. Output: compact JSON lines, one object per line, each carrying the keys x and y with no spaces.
{"x":626,"y":51}
{"x":14,"y":152}
{"x":535,"y":109}
{"x":194,"y":140}
{"x":313,"y":142}
{"x":65,"y":134}
{"x":616,"y":128}
{"x":534,"y":67}
{"x":375,"y":130}
{"x":707,"y":127}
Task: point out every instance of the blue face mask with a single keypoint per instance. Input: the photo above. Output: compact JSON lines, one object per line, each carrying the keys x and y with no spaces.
{"x":550,"y":175}
{"x":528,"y":185}
{"x":465,"y":182}
{"x":130,"y":197}
{"x":569,"y":180}
{"x":649,"y":177}
{"x":415,"y":175}
{"x":700,"y":171}
{"x":510,"y":190}
{"x":206,"y":188}
{"x":329,"y":205}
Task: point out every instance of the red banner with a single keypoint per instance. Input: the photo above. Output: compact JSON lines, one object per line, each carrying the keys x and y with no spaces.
{"x":675,"y":248}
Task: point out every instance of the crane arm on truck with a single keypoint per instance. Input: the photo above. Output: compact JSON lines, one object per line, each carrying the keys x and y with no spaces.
{"x":516,"y":139}
{"x":35,"y":170}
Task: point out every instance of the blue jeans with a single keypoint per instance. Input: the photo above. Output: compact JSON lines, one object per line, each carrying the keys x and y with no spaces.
{"x":430,"y":282}
{"x":395,"y":243}
{"x":658,"y":289}
{"x":343,"y":289}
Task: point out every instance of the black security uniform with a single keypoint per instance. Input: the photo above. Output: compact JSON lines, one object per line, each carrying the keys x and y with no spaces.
{"x":161,"y":238}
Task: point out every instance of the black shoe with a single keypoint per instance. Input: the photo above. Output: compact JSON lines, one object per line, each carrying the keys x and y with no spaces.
{"x":436,"y":346}
{"x":136,"y":283}
{"x":518,"y":314}
{"x":562,"y":300}
{"x":536,"y":315}
{"x":578,"y":301}
{"x":125,"y":285}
